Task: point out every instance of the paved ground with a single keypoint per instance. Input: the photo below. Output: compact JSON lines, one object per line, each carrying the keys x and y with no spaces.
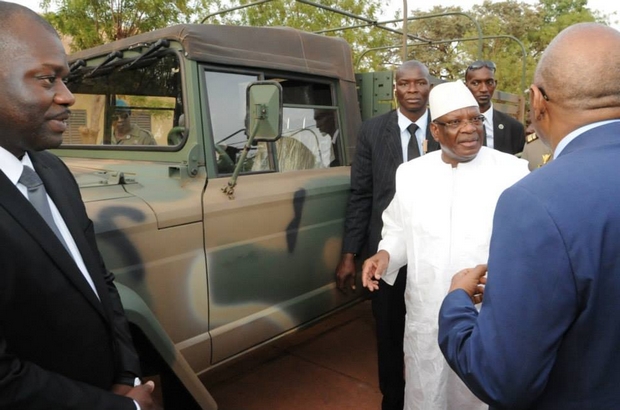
{"x":331,"y":365}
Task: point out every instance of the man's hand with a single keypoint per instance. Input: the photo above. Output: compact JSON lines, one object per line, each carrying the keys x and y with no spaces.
{"x":121,"y":389}
{"x":345,"y":272}
{"x":373,"y":269}
{"x":471,"y":281}
{"x":143,"y":395}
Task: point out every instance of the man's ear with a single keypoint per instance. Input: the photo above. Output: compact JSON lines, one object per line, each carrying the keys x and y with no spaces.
{"x":538,"y":103}
{"x":434,"y":131}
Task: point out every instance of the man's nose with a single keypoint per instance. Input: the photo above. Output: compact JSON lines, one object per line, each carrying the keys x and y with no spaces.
{"x":63,"y":96}
{"x":412,"y":88}
{"x":468,"y":128}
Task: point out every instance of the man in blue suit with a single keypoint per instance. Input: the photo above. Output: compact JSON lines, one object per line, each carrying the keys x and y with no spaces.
{"x":548,"y":333}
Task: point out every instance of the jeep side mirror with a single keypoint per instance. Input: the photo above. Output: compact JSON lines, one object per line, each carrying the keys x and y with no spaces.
{"x":263,"y":120}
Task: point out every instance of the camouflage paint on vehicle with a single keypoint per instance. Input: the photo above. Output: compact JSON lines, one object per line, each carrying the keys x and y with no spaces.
{"x":205,"y":278}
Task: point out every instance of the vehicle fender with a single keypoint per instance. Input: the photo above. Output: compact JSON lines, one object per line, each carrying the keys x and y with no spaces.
{"x":139,"y":314}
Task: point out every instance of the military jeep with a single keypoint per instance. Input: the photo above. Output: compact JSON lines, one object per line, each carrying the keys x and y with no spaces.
{"x":219,"y":242}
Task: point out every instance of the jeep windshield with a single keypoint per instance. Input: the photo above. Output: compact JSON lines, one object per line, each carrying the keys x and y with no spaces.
{"x":130,"y":100}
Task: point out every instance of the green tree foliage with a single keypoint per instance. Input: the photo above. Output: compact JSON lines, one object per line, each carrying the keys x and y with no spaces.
{"x":534,"y":26}
{"x":90,"y":23}
{"x":509,"y":29}
{"x":444,"y":58}
{"x":315,"y":19}
{"x":505,"y":26}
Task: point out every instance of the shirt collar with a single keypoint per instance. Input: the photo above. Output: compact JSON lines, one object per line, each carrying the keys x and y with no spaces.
{"x":576,"y":133}
{"x":488,"y":114}
{"x":403,"y":122}
{"x":11,"y":166}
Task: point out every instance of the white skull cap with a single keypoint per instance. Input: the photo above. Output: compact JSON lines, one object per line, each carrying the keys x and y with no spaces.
{"x":448,"y":97}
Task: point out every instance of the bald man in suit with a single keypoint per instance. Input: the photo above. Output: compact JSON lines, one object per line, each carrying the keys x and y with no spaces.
{"x":65,"y":342}
{"x":548,"y":332}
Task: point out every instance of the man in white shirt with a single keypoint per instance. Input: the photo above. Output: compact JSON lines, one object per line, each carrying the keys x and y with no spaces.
{"x":502,"y":132}
{"x":65,"y":342}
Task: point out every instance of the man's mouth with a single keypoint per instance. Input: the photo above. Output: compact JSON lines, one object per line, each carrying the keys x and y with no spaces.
{"x":469,"y":142}
{"x":58,"y":122}
{"x":58,"y":125}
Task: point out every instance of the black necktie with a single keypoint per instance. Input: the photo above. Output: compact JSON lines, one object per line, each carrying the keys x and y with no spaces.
{"x":38,"y":198}
{"x":413,"y":151}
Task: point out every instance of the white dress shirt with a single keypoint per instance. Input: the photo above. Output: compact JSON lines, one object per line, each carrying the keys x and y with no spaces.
{"x":488,"y":125}
{"x":12,"y":168}
{"x":420,"y":134}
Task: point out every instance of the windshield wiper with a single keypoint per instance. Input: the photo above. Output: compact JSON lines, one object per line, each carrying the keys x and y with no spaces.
{"x":111,"y":57}
{"x":161,"y":43}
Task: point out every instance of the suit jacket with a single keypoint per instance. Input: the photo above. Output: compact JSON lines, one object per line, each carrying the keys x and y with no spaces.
{"x":508,"y":133}
{"x":548,"y":333}
{"x":377,"y":155}
{"x":60,"y":346}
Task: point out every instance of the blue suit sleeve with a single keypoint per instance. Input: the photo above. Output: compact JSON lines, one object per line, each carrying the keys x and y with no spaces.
{"x":505,"y":353}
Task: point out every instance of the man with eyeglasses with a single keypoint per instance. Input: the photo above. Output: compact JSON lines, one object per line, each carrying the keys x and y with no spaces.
{"x":126,"y":133}
{"x":440,"y":218}
{"x":384,"y":142}
{"x":502,"y":132}
{"x":548,"y":333}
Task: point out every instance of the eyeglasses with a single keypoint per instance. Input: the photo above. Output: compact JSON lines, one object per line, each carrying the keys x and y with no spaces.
{"x":544,"y":94}
{"x":456,"y":124}
{"x":476,"y":65}
{"x":120,"y":116}
{"x":542,"y":91}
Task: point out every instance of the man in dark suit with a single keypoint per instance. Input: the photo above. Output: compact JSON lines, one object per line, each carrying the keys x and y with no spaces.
{"x":64,"y":339}
{"x":383,"y":144}
{"x":548,"y":333}
{"x":502,"y":132}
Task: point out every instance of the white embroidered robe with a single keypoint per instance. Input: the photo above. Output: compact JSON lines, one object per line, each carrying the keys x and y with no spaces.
{"x":438,"y":223}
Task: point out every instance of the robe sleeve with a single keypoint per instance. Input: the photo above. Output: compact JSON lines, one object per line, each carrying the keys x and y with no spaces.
{"x":393,"y":239}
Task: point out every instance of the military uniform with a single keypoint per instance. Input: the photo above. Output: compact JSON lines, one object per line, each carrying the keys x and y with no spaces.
{"x":536,"y":152}
{"x":135,"y":136}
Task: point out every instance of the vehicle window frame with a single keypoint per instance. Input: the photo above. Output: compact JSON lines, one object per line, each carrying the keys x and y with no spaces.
{"x":142,"y":148}
{"x":262,"y":75}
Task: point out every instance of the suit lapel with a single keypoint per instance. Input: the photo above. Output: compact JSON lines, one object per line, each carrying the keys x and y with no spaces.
{"x":392,"y":138}
{"x":499,"y":131}
{"x":26,"y":215}
{"x":431,"y":143}
{"x":54,"y":183}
